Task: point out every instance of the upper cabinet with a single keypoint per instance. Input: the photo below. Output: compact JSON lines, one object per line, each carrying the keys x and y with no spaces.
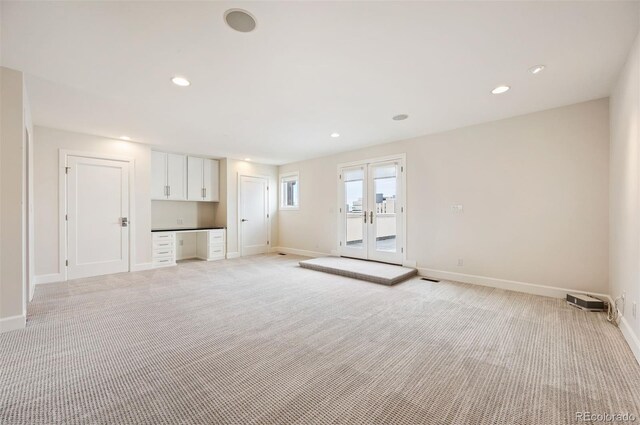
{"x":181,"y":178}
{"x":158,"y":175}
{"x":168,"y":176}
{"x":203,"y":179}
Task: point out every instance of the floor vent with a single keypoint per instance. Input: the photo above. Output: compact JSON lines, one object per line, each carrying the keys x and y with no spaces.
{"x":430,"y":280}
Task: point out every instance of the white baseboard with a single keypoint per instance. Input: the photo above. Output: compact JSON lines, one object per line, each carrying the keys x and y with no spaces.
{"x":511,"y":285}
{"x":631,"y":338}
{"x":409,"y":263}
{"x":233,"y":255}
{"x":141,"y":267}
{"x":12,"y":323}
{"x":48,"y":278}
{"x":301,"y":252}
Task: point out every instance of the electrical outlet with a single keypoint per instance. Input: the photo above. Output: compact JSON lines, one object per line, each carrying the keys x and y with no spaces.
{"x":460,"y":262}
{"x":458,"y":208}
{"x":180,"y":221}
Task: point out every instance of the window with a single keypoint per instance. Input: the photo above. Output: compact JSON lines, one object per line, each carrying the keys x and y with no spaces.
{"x":289,"y":191}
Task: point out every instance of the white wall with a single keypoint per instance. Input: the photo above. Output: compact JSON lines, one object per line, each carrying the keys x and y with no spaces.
{"x":233,"y":169}
{"x":14,"y":120}
{"x":534,"y":189}
{"x":624,"y":206}
{"x":48,"y":143}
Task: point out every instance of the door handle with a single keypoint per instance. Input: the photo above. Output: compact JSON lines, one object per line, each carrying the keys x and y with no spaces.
{"x":124,"y":221}
{"x":243,"y":220}
{"x":371,"y":217}
{"x":365,"y":217}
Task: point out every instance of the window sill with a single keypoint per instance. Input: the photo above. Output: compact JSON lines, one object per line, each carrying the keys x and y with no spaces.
{"x":289,"y":208}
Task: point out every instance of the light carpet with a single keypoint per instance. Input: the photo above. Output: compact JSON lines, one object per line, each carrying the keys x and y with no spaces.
{"x":261,"y":340}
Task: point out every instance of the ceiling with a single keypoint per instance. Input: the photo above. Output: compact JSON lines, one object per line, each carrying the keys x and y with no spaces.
{"x":309,"y":69}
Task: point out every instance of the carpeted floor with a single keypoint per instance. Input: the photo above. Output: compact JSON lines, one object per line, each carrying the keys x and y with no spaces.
{"x":261,"y":340}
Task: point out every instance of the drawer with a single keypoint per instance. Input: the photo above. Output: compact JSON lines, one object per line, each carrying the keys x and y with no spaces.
{"x":216,"y":238}
{"x":163,"y":262}
{"x":164,"y":236}
{"x":163,"y":244}
{"x":163,"y":252}
{"x":216,"y":251}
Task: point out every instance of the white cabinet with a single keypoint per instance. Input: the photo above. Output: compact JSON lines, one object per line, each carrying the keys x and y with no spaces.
{"x":177,"y":177}
{"x":158,"y":175}
{"x":211,"y":245}
{"x":194,"y":181}
{"x":211,"y":180}
{"x":164,"y":249}
{"x":203,"y":179}
{"x":168,"y":176}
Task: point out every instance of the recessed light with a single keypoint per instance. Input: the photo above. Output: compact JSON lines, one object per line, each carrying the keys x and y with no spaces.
{"x":335,"y":135}
{"x":400,"y":117}
{"x":536,"y":69}
{"x":247,"y":159}
{"x":500,"y":89}
{"x":127,"y":138}
{"x":240,"y":20}
{"x":181,"y":81}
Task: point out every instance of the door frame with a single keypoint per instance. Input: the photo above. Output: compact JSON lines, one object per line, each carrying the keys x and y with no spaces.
{"x":239,"y":209}
{"x":402,"y":157}
{"x":63,"y":242}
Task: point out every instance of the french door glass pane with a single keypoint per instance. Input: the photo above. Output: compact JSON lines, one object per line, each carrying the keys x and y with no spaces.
{"x":385,"y":183}
{"x":354,"y":195}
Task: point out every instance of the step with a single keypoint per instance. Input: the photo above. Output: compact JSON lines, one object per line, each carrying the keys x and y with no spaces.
{"x":371,"y":271}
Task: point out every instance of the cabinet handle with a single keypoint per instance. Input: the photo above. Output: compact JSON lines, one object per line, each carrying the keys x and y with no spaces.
{"x":371,"y":217}
{"x":364,"y":214}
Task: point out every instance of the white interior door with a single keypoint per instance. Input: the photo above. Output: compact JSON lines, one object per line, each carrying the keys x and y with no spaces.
{"x":97,"y":217}
{"x":372,"y":211}
{"x":254,"y":220}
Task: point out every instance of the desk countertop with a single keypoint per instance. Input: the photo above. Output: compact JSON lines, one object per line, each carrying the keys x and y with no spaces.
{"x":186,"y":229}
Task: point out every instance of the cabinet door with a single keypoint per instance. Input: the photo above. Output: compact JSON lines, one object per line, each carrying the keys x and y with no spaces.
{"x":211,"y":180}
{"x":177,"y":177}
{"x":195,"y":187}
{"x":158,"y":175}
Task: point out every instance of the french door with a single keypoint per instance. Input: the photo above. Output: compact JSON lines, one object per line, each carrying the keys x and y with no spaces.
{"x":372,"y":209}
